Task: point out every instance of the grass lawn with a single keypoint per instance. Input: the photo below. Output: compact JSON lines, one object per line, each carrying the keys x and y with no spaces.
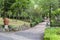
{"x":14,"y":22}
{"x":52,"y":33}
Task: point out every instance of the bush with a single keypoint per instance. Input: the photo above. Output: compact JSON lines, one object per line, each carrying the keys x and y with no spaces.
{"x":33,"y":24}
{"x":52,"y":33}
{"x":55,"y":23}
{"x":35,"y":21}
{"x":38,"y":20}
{"x":55,"y":17}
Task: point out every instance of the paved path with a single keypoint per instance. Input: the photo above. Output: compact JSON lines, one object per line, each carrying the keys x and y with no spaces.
{"x":35,"y":33}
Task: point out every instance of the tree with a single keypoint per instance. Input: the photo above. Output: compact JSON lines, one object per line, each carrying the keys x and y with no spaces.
{"x":20,"y":6}
{"x":6,"y":7}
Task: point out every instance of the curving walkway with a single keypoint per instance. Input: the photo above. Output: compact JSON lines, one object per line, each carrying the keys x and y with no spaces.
{"x":35,"y":33}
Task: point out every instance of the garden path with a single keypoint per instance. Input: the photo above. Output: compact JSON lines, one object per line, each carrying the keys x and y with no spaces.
{"x":35,"y":33}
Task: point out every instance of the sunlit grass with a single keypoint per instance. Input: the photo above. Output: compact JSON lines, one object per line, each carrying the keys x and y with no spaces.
{"x":15,"y":22}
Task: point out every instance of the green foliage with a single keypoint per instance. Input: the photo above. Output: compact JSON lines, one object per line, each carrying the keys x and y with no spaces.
{"x":55,"y":18}
{"x":36,"y":20}
{"x":7,"y":4}
{"x":34,"y":10}
{"x":24,"y":14}
{"x":33,"y":24}
{"x":52,"y":34}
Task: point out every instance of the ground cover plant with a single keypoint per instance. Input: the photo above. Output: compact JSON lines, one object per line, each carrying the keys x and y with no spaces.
{"x":52,"y":33}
